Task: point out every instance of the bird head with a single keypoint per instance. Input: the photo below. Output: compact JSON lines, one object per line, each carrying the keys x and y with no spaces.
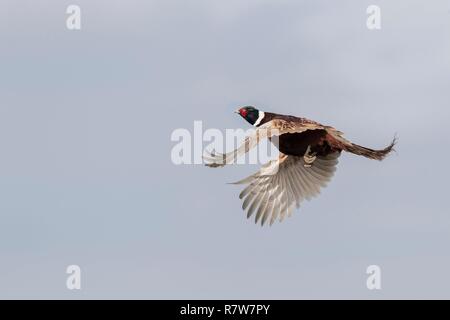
{"x":249,"y":113}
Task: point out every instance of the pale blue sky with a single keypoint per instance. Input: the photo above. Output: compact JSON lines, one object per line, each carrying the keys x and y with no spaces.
{"x":85,"y":170}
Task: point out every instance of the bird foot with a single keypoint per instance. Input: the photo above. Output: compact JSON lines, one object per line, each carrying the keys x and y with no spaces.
{"x":309,"y":157}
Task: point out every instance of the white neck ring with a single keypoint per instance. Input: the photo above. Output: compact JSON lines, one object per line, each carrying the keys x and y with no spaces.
{"x":260,"y":118}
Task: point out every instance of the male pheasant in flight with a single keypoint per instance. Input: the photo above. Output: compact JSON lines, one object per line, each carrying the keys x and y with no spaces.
{"x":307,"y":161}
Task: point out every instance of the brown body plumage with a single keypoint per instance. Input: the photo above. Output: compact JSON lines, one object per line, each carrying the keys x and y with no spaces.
{"x":322,"y":141}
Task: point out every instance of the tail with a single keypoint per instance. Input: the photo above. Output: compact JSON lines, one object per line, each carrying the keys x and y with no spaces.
{"x":370,"y":153}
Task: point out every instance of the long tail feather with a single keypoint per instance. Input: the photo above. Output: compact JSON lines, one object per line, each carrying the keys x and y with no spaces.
{"x":370,"y":153}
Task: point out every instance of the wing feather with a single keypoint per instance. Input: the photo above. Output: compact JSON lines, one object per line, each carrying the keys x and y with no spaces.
{"x":273,"y":195}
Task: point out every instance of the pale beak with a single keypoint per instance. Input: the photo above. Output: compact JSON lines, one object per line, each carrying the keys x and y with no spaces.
{"x":237,"y":111}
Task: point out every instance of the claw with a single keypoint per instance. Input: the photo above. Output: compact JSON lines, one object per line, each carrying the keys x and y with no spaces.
{"x":309,"y":157}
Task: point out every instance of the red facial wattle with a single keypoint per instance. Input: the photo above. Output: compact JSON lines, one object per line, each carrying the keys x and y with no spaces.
{"x":243,"y":112}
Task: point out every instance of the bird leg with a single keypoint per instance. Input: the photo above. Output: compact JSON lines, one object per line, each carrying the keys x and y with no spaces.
{"x":309,"y":157}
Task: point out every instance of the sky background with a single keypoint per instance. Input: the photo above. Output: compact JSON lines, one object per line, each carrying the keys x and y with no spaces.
{"x":86,"y":176}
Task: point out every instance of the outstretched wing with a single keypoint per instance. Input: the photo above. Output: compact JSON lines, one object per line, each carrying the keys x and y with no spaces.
{"x":283,"y":184}
{"x":270,"y":129}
